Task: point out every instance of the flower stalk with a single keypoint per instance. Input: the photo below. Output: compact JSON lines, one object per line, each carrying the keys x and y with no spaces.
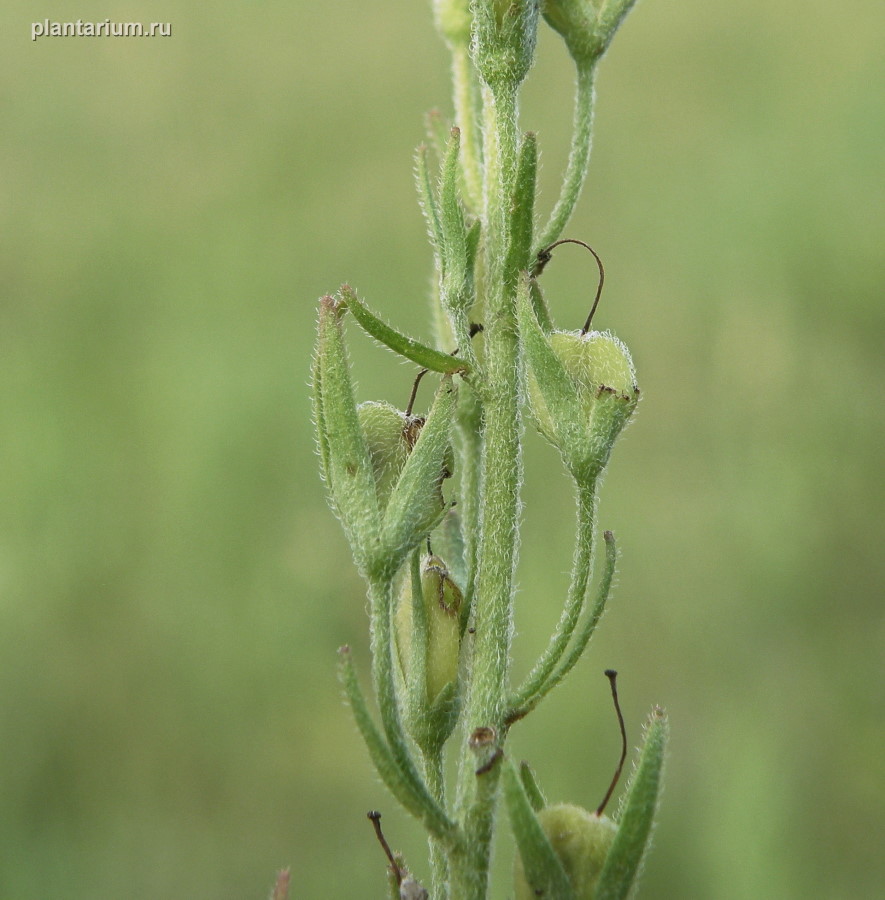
{"x":442,"y":626}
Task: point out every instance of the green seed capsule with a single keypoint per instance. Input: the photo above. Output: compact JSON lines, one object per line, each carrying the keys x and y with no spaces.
{"x":581,"y":841}
{"x":584,"y":396}
{"x":441,"y":599}
{"x":587,"y":26}
{"x":390,"y":436}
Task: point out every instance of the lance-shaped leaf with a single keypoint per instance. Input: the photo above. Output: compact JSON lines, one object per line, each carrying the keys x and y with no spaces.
{"x":543,"y":678}
{"x":541,"y":867}
{"x":345,"y":457}
{"x":539,"y":304}
{"x":411,"y":349}
{"x":437,"y":129}
{"x":454,"y":229}
{"x":404,"y":783}
{"x":522,"y":207}
{"x":473,"y":235}
{"x":416,"y":504}
{"x":427,"y":199}
{"x":624,"y":861}
{"x":532,"y":789}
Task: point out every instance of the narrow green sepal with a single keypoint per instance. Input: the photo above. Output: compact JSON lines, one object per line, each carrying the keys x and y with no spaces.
{"x":473,"y":235}
{"x":527,"y":697}
{"x":416,"y":504}
{"x":437,"y":129}
{"x":347,"y":465}
{"x":319,"y":418}
{"x":556,"y":397}
{"x":539,"y":305}
{"x":443,"y":716}
{"x":399,"y":343}
{"x":448,"y":542}
{"x":624,"y":862}
{"x":427,"y":200}
{"x":583,"y":635}
{"x":522,"y":207}
{"x":531,"y":787}
{"x":404,"y":783}
{"x":541,"y":869}
{"x":454,"y":229}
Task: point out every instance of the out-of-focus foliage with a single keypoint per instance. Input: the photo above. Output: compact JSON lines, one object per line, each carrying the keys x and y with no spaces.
{"x":172,"y":585}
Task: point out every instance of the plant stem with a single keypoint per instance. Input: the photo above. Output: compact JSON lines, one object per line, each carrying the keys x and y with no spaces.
{"x":501,"y":474}
{"x":439,"y":869}
{"x":578,"y":160}
{"x":380,"y":596}
{"x":469,"y":496}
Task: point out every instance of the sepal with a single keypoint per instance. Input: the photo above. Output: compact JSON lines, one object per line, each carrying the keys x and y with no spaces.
{"x":408,"y":347}
{"x":636,"y":818}
{"x":416,"y":503}
{"x":344,"y":454}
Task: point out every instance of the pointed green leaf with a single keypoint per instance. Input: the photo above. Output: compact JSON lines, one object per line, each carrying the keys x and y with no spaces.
{"x":411,"y":349}
{"x":540,"y":864}
{"x":473,"y":235}
{"x":448,"y":542}
{"x":318,"y":417}
{"x":427,"y":199}
{"x":348,"y":464}
{"x":624,"y":861}
{"x":524,"y":702}
{"x":405,"y":785}
{"x":416,"y":504}
{"x":437,"y":128}
{"x":530,"y":785}
{"x":582,"y":637}
{"x":418,"y":637}
{"x":539,"y":305}
{"x":454,"y":230}
{"x":522,"y":207}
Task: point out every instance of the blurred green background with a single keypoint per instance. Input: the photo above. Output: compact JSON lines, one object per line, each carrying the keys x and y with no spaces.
{"x":172,"y":585}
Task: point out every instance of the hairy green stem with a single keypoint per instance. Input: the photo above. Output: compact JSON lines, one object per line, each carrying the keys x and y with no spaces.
{"x":439,"y":866}
{"x":501,"y":474}
{"x":579,"y":157}
{"x":469,"y":497}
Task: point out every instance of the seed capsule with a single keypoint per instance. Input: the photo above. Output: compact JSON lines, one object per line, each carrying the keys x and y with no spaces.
{"x":390,"y":436}
{"x":441,"y":600}
{"x":581,"y":840}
